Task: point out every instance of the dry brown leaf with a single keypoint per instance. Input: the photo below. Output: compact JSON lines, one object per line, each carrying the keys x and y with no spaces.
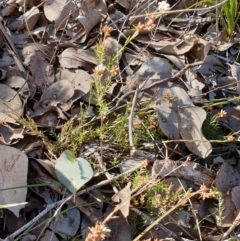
{"x":121,"y":229}
{"x":13,"y":223}
{"x":6,"y":60}
{"x":227,"y":178}
{"x":194,"y":86}
{"x":14,"y":168}
{"x":125,"y":197}
{"x":80,"y":79}
{"x":29,"y":19}
{"x":57,"y":94}
{"x":29,"y":144}
{"x":190,"y":171}
{"x":49,"y":166}
{"x":177,"y":47}
{"x":200,"y":49}
{"x":153,"y":68}
{"x":70,"y":58}
{"x":50,"y":117}
{"x":22,"y":3}
{"x":8,"y":8}
{"x":16,"y":79}
{"x":49,"y":235}
{"x":235,"y":69}
{"x":88,"y":18}
{"x":132,"y":59}
{"x":226,"y":81}
{"x":53,"y":9}
{"x":168,"y":120}
{"x":128,"y":5}
{"x":69,"y":11}
{"x":179,"y":117}
{"x":8,"y":134}
{"x":235,"y":196}
{"x":66,"y":225}
{"x":232,"y":118}
{"x":10,"y":104}
{"x":178,"y":61}
{"x":210,"y":65}
{"x":37,"y":57}
{"x":228,"y":215}
{"x":54,"y":104}
{"x":190,"y":123}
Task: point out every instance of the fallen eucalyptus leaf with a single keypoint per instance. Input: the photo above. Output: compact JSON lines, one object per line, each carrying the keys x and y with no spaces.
{"x":73,"y":175}
{"x":177,"y":116}
{"x":10,"y":104}
{"x":13,"y":173}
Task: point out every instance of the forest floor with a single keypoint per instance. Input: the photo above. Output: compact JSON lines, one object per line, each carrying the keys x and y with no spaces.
{"x":119,"y":120}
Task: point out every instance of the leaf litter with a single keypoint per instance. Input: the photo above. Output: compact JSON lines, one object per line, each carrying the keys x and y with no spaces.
{"x":171,"y":96}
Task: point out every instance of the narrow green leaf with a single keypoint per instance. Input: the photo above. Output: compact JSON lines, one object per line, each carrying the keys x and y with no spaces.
{"x":70,"y":155}
{"x":12,"y":205}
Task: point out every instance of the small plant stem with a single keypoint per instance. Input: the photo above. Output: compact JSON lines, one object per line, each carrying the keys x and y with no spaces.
{"x":101,"y":145}
{"x":159,"y":149}
{"x":235,"y":223}
{"x":194,"y":212}
{"x":217,"y":27}
{"x":191,"y":141}
{"x":181,"y":10}
{"x":50,"y":219}
{"x":160,"y":81}
{"x":152,"y":182}
{"x":60,"y":39}
{"x":130,"y":123}
{"x":220,"y":101}
{"x":180,"y":203}
{"x":150,"y":220}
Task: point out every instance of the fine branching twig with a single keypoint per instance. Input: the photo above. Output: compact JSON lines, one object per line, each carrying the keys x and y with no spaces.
{"x":181,"y":10}
{"x":180,"y":203}
{"x":174,"y":77}
{"x":171,"y":233}
{"x":130,"y":124}
{"x":235,"y":223}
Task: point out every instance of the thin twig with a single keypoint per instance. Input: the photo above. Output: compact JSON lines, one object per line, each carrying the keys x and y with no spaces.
{"x":130,"y":121}
{"x":181,"y":202}
{"x":155,"y":143}
{"x":235,"y":223}
{"x":34,"y":220}
{"x":194,"y":213}
{"x":180,"y":10}
{"x":150,"y":220}
{"x":160,"y":81}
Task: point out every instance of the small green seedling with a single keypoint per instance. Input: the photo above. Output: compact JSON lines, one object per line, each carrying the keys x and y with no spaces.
{"x":229,"y":16}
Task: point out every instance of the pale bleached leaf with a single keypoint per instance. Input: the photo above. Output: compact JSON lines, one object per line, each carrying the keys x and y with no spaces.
{"x":14,"y":168}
